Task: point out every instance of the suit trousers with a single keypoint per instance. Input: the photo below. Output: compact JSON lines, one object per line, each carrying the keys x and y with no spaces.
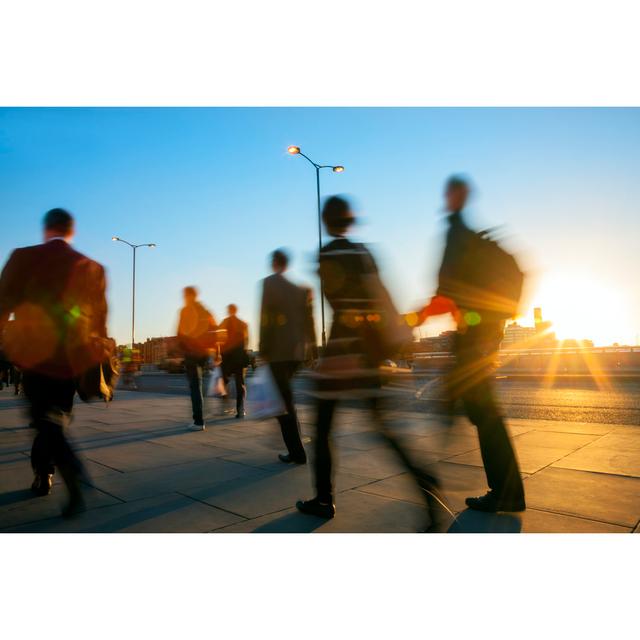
{"x":194,"y":366}
{"x":51,"y":401}
{"x":283,"y":372}
{"x":471,"y":381}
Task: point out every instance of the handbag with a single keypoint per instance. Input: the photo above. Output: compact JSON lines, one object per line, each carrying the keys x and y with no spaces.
{"x":99,"y":381}
{"x":263,"y":396}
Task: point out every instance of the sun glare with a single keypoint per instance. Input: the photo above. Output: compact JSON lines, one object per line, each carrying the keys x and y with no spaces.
{"x":580,"y":309}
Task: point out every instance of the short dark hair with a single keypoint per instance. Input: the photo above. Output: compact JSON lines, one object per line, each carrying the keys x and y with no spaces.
{"x":59,"y":220}
{"x":457,"y":182}
{"x":280,"y":258}
{"x":190,"y":291}
{"x":232,"y":308}
{"x":337,"y":215}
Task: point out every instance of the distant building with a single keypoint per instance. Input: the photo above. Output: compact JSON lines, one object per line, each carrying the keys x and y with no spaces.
{"x":434,"y":344}
{"x":156,"y":350}
{"x":516,"y":335}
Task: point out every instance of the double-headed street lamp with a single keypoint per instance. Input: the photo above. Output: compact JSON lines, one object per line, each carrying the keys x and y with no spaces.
{"x":133,"y":305}
{"x":295,"y":151}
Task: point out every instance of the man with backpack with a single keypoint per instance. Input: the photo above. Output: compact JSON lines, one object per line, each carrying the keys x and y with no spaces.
{"x":480,"y":285}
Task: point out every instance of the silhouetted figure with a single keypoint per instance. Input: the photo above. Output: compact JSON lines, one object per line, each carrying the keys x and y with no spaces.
{"x":57,"y":296}
{"x":350,"y":364}
{"x":287,"y":337}
{"x":234,"y":354}
{"x":480,"y":314}
{"x":194,"y":329}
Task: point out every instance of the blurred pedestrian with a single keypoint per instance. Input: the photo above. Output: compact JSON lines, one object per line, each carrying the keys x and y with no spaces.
{"x":364,"y":332}
{"x":57,"y":297}
{"x":234,"y":354}
{"x":287,"y":339}
{"x":195,"y":328}
{"x":480,"y":285}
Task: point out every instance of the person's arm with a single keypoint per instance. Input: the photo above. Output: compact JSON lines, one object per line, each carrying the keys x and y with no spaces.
{"x":264,"y":342}
{"x":310,"y":326}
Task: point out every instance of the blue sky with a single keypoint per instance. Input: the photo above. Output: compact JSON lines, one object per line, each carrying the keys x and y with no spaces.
{"x":216,"y":190}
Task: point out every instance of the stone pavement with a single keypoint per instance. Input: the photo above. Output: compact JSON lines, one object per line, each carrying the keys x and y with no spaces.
{"x":149,"y":474}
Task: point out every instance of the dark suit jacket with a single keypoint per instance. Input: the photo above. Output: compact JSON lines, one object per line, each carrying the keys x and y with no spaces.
{"x":57,"y":296}
{"x":286,"y":321}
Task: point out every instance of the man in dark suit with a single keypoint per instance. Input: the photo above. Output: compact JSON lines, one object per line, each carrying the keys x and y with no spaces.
{"x":287,"y":333}
{"x":58,"y":331}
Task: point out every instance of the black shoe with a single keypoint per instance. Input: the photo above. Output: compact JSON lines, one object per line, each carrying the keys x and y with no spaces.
{"x":287,"y":459}
{"x":42,"y":484}
{"x":490,"y":504}
{"x":240,"y":415}
{"x":317,"y":508}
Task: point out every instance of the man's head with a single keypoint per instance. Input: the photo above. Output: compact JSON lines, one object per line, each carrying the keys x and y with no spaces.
{"x":279,"y":261}
{"x":337,"y":216}
{"x":456,"y":193}
{"x":58,"y":223}
{"x":232,"y":309}
{"x":190,"y":295}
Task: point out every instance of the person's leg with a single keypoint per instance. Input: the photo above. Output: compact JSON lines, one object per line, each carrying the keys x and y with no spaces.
{"x":282,"y":373}
{"x":51,"y":403}
{"x":498,"y":456}
{"x":241,"y":391}
{"x":323,"y":462}
{"x":37,"y":394}
{"x":194,"y":375}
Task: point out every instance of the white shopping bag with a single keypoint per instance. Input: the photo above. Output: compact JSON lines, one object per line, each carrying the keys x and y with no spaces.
{"x":216,"y":388}
{"x":263,"y":398}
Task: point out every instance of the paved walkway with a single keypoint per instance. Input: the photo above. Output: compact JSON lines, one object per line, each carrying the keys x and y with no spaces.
{"x":149,"y":474}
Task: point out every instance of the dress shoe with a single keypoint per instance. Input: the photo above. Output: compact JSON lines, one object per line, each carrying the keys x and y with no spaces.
{"x":240,"y":415}
{"x":317,"y":508}
{"x":491,"y":504}
{"x":287,"y":459}
{"x":42,"y":484}
{"x":197,"y":427}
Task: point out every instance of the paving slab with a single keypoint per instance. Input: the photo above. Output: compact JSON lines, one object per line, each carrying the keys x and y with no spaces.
{"x":356,"y":512}
{"x":135,"y":456}
{"x":175,"y":478}
{"x":254,"y":496}
{"x":615,"y":453}
{"x":26,"y":508}
{"x":167,"y":513}
{"x":595,"y":496}
{"x":535,"y":521}
{"x":563,"y":426}
{"x":554,"y":439}
{"x":531,"y":458}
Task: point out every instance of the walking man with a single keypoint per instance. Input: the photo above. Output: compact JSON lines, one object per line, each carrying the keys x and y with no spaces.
{"x":195,"y":327}
{"x":287,"y":336}
{"x":234,"y":354}
{"x":480,"y":321}
{"x":57,"y":297}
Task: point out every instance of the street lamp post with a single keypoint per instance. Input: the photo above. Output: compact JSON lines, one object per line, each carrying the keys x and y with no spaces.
{"x":295,"y":151}
{"x":133,"y":291}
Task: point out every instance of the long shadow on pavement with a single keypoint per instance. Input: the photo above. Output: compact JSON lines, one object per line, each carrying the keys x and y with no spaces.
{"x":470,"y":521}
{"x":291,"y":523}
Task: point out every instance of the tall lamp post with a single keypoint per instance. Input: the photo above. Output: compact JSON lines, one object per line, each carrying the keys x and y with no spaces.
{"x":133,"y":304}
{"x":295,"y":151}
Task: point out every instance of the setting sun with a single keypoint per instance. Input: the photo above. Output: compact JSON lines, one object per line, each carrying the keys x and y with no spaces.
{"x":582,"y":308}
